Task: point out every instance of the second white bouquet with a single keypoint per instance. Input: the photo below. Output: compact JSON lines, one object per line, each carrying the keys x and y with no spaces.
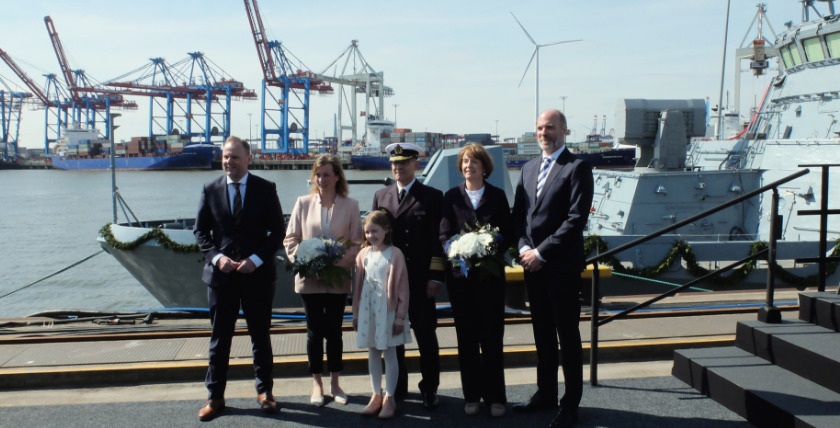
{"x":478,"y":247}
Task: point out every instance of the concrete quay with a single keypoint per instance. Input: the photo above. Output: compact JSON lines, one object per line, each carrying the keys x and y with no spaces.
{"x":104,"y":372}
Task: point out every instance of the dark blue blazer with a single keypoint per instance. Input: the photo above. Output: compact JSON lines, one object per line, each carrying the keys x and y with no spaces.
{"x":259,"y":230}
{"x":555,"y":223}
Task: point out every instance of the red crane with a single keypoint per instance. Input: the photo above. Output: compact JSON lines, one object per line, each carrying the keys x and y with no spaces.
{"x":280,"y":72}
{"x":56,"y":104}
{"x":84,"y":95}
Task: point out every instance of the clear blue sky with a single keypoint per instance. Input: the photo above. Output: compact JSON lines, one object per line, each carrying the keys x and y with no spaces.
{"x":454,"y":65}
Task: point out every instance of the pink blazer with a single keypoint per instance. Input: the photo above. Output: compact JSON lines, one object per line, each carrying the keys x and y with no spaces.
{"x":397,"y":286}
{"x":305,"y":223}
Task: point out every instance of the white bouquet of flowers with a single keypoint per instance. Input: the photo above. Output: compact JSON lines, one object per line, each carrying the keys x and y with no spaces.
{"x":317,"y":258}
{"x":479,"y":248}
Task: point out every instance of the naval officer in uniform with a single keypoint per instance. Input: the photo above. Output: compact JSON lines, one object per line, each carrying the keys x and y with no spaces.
{"x":415,"y":212}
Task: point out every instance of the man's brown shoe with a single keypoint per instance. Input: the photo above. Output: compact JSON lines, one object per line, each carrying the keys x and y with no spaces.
{"x":211,"y":409}
{"x":267,"y":403}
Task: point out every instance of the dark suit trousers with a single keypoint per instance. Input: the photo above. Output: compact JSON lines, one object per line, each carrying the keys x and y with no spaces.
{"x":255,"y":300}
{"x":324,"y":315}
{"x":555,"y":311}
{"x":422,"y":314}
{"x":478,"y":308}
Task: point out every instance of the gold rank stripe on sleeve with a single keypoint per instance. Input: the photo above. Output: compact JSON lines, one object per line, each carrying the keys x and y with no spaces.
{"x":437,"y":264}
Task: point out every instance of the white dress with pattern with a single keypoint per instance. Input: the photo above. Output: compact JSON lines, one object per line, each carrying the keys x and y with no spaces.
{"x":375,"y":320}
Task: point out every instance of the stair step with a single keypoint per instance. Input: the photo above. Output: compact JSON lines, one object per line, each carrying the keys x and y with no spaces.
{"x":808,"y":350}
{"x":762,"y":393}
{"x":822,"y":309}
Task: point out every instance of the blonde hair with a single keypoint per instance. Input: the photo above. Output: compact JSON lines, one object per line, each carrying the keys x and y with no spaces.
{"x":341,"y":187}
{"x":476,"y":151}
{"x":379,"y":218}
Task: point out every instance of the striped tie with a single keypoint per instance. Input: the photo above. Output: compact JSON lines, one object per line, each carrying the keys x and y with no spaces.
{"x":237,"y":200}
{"x":546,"y":165}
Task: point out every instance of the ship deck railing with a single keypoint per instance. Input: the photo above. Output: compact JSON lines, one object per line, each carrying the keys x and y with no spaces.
{"x":768,"y":313}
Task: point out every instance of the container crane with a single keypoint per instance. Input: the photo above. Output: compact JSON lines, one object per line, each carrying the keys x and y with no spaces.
{"x":86,"y":97}
{"x":356,"y":77}
{"x":292,"y":83}
{"x":191,"y":97}
{"x":54,"y":98}
{"x":11,"y":103}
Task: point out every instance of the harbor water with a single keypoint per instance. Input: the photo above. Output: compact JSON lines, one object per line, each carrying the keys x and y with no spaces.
{"x":49,"y":220}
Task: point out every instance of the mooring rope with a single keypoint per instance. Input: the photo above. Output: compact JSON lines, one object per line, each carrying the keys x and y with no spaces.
{"x":55,"y":273}
{"x":658,"y":281}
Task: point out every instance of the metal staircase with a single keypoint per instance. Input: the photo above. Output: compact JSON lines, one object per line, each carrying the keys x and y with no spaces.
{"x":776,"y":375}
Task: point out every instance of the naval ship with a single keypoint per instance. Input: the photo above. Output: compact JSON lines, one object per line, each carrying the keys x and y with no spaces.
{"x":680,"y":174}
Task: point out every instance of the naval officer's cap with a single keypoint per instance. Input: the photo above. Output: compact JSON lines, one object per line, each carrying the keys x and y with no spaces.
{"x":403,"y":151}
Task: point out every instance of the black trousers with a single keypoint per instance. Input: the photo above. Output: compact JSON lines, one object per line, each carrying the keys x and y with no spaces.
{"x":555,"y":311}
{"x":478,"y":308}
{"x":225,"y":301}
{"x":324,"y":316}
{"x":422,"y":313}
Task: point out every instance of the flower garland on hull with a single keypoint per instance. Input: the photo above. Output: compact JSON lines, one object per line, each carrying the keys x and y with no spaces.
{"x":682,"y":250}
{"x":154,"y":233}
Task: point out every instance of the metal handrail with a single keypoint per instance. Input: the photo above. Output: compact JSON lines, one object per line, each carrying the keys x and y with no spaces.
{"x":768,"y":312}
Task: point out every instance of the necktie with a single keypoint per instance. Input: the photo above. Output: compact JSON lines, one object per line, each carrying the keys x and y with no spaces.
{"x":543,"y":174}
{"x":237,"y":201}
{"x":401,"y":195}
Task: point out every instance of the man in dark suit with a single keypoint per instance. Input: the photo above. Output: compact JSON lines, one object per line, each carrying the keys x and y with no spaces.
{"x":415,"y":211}
{"x":239,"y":228}
{"x":551,"y":207}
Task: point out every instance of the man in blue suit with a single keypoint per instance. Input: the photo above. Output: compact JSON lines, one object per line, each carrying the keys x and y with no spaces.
{"x":551,"y":207}
{"x":239,"y":228}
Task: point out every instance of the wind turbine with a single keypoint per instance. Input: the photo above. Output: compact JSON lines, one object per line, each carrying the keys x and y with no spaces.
{"x":536,"y":55}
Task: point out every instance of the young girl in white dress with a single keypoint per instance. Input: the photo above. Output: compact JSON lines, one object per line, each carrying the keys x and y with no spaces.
{"x":380,"y":306}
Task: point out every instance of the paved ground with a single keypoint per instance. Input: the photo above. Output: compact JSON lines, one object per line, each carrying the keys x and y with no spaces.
{"x":629,"y":395}
{"x":131,"y":380}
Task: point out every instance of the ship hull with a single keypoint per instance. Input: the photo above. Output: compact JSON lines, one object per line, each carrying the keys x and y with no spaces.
{"x":193,"y":157}
{"x":181,"y":161}
{"x":612,"y":159}
{"x":174,"y":278}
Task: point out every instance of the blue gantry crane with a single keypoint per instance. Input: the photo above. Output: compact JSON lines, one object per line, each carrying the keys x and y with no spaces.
{"x":191,"y":97}
{"x":54,"y":98}
{"x":286,"y":87}
{"x":11,"y":104}
{"x":90,"y":103}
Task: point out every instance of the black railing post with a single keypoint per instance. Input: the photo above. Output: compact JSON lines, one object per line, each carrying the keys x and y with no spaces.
{"x":593,"y":328}
{"x":823,"y":212}
{"x":769,"y":313}
{"x":823,"y":227}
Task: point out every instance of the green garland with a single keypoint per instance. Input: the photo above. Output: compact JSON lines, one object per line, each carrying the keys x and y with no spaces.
{"x":155,"y":233}
{"x":682,"y":250}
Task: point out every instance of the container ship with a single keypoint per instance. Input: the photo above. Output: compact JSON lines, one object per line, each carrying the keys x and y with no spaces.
{"x":81,"y":148}
{"x":369,"y":153}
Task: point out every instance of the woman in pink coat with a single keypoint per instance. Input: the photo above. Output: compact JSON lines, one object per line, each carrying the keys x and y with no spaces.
{"x":325,"y":211}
